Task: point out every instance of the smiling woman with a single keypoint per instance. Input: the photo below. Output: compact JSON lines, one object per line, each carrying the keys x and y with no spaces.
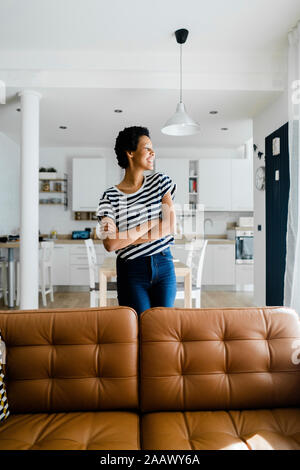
{"x":137,"y":220}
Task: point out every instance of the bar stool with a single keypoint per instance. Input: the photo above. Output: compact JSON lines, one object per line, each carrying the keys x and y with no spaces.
{"x":45,"y":265}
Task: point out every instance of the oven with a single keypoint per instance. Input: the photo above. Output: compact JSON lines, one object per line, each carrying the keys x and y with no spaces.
{"x":244,"y":247}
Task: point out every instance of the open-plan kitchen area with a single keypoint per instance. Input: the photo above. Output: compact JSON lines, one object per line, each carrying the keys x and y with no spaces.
{"x":70,"y":121}
{"x":149,"y":230}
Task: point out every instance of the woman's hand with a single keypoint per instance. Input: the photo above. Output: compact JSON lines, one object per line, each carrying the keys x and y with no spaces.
{"x":166,"y":224}
{"x":107,"y":228}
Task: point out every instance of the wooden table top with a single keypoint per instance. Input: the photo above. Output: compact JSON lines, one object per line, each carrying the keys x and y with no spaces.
{"x":108,"y":267}
{"x":9,"y":244}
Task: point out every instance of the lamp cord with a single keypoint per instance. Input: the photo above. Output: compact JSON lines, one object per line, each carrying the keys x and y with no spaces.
{"x":180,"y":73}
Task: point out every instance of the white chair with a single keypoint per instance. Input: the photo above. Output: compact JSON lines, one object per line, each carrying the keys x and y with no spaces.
{"x":195,"y":261}
{"x":93,"y":272}
{"x":45,"y":266}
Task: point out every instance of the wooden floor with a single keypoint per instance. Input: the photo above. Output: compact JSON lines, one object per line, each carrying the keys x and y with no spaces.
{"x":209,"y":299}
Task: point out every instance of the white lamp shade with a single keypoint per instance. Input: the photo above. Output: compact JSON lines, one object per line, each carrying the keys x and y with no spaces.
{"x":180,"y":123}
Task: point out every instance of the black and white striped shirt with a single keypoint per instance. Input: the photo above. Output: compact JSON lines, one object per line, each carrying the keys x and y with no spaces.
{"x":131,"y":210}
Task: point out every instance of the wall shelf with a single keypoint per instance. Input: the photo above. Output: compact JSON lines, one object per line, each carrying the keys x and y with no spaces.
{"x":53,"y":179}
{"x":193,"y":184}
{"x":52,"y":190}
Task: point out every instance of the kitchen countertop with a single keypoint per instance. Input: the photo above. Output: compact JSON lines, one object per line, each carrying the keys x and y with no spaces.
{"x":66,"y":240}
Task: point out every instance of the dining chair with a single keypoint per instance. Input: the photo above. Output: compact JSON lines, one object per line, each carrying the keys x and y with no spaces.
{"x":93,"y":275}
{"x":45,"y":272}
{"x":46,"y":266}
{"x":195,"y":261}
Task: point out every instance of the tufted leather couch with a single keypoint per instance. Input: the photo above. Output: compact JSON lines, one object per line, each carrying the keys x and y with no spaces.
{"x":95,"y":378}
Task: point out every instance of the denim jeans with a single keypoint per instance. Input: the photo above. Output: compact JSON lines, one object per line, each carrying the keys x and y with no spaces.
{"x":147,"y":281}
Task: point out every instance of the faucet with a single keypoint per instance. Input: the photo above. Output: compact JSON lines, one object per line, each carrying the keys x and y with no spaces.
{"x":208,"y":220}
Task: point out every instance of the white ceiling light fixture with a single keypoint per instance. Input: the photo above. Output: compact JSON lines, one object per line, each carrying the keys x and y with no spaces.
{"x":181,"y":123}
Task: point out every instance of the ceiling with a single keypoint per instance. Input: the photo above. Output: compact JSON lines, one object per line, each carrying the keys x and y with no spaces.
{"x":89,"y":57}
{"x":91,"y":121}
{"x":141,"y":25}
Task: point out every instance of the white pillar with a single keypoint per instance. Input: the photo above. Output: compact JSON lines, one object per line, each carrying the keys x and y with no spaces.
{"x":29,"y":204}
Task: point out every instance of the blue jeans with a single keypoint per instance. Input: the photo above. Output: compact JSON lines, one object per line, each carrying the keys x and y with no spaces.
{"x":147,"y":281}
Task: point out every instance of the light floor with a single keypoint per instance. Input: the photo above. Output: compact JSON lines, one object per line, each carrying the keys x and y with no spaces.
{"x":209,"y":299}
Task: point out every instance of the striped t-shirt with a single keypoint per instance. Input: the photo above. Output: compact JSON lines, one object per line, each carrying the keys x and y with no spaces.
{"x":131,"y":210}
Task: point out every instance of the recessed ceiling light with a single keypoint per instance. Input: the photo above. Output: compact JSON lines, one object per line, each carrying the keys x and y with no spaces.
{"x":63,"y":127}
{"x":18,"y":109}
{"x":118,"y":110}
{"x":213,"y":112}
{"x":224,"y":128}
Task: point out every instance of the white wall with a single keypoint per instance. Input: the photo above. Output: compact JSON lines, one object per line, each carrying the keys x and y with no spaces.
{"x":273,"y":117}
{"x":192,"y":153}
{"x":9,"y":186}
{"x":56,"y":217}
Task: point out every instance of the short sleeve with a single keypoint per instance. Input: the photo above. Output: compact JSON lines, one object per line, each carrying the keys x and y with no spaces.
{"x":105,"y":208}
{"x":166,"y":184}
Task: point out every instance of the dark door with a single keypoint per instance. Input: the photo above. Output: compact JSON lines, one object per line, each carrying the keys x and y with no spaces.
{"x":277,"y":194}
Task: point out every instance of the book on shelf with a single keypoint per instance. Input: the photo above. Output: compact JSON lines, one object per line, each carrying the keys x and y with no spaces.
{"x":192,"y":186}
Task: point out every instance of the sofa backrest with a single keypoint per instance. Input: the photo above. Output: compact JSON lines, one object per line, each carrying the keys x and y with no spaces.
{"x":208,"y":359}
{"x":71,"y":360}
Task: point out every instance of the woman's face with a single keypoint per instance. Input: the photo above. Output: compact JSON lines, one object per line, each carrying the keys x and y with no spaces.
{"x":144,"y":155}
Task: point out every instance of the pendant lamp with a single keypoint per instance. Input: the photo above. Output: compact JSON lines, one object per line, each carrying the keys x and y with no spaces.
{"x":181,"y":123}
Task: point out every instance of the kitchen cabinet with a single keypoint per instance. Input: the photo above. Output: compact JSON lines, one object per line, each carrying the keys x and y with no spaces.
{"x":178,"y":170}
{"x":70,"y":264}
{"x":220,"y":184}
{"x":215,"y":184}
{"x":208,"y":266}
{"x":219,"y":265}
{"x":244,"y":275}
{"x":88,"y":183}
{"x":79,"y":267}
{"x":224,"y":264}
{"x":61,"y":265}
{"x":241,"y":185}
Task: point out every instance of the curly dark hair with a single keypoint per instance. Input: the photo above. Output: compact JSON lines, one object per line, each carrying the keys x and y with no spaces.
{"x":128,"y":140}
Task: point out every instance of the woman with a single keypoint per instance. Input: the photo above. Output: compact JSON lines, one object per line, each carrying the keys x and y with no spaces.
{"x":136,"y":220}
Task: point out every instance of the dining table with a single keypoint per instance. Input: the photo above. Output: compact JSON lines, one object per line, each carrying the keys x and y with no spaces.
{"x":11,"y":271}
{"x":108,"y":269}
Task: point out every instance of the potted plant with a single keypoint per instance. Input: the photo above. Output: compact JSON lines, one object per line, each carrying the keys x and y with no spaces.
{"x":47,"y":174}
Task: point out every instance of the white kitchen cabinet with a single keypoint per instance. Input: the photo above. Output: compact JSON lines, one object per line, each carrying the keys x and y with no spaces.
{"x":79,"y":275}
{"x":88,"y":183}
{"x":222,"y":184}
{"x":79,"y":267}
{"x":224,"y":264}
{"x":70,"y":263}
{"x":178,"y":170}
{"x":214,"y":183}
{"x":61,"y":265}
{"x":219,"y":265}
{"x":244,"y":275}
{"x":241,"y":185}
{"x":208,"y":265}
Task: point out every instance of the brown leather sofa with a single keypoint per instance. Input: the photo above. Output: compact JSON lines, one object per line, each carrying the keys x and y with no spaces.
{"x":95,"y":379}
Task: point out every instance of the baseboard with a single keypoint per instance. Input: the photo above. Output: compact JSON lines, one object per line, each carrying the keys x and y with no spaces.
{"x":230,"y":288}
{"x":71,"y":289}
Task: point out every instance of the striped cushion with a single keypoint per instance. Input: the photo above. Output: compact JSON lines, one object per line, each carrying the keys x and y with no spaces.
{"x":4,"y":411}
